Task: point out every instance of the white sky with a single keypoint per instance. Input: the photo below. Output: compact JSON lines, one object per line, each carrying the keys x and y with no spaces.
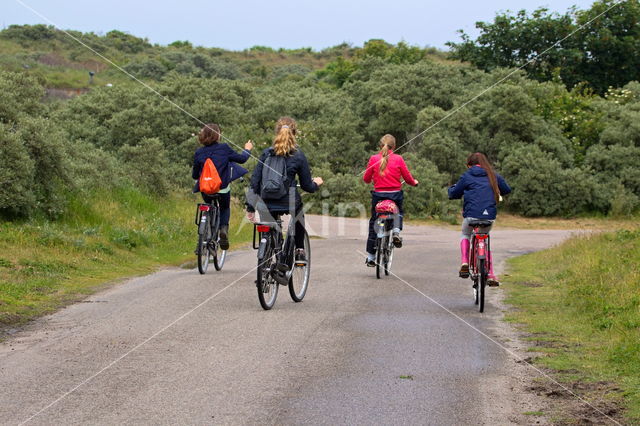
{"x":238,"y":24}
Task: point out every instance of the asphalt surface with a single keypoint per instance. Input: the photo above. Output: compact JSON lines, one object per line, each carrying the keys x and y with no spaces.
{"x":179,"y":347}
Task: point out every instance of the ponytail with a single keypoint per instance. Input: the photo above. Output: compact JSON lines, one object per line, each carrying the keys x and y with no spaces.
{"x":479,"y":159}
{"x":285,"y":141}
{"x":387,"y":144}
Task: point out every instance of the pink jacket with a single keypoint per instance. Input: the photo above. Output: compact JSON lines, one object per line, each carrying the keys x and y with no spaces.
{"x":391,"y":179}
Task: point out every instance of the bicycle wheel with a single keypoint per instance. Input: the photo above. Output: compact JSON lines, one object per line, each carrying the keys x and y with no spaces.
{"x":219,"y":255}
{"x":204,"y":236}
{"x":267,"y":285}
{"x":388,"y":258}
{"x":299,"y":281}
{"x":482,"y":282}
{"x":379,"y":254}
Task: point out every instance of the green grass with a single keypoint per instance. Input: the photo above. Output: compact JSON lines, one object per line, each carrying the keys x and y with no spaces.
{"x":580,"y":302}
{"x":45,"y":265}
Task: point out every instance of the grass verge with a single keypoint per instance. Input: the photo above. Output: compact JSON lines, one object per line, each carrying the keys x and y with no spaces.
{"x":45,"y":265}
{"x":582,"y":313}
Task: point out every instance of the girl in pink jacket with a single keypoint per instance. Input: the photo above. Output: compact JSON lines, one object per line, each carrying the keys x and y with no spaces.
{"x":386,"y":170}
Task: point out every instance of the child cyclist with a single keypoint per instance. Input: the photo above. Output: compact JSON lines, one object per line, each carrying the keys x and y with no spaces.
{"x":481,"y":188}
{"x":386,"y":169}
{"x":223,"y":158}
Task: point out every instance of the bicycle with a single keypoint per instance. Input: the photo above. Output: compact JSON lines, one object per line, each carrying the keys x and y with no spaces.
{"x":478,"y":259}
{"x":387,"y":217}
{"x":277,"y":264}
{"x":208,"y":221}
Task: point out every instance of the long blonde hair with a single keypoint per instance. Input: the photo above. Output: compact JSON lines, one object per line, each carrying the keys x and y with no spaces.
{"x":387,"y":144}
{"x":285,"y":141}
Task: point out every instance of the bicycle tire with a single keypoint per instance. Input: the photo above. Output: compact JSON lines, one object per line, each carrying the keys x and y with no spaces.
{"x":482,"y":282}
{"x":265,"y":283}
{"x":219,"y":256}
{"x":379,"y":245}
{"x":299,"y":281}
{"x":388,"y":258}
{"x":203,"y":248}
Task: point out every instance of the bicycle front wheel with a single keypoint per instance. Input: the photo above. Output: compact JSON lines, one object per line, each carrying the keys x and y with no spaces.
{"x":204,"y":251}
{"x":219,"y":255}
{"x":482,"y":282}
{"x":267,"y":285}
{"x":299,"y":281}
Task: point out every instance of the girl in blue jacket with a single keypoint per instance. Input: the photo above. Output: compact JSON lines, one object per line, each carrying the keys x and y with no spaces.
{"x":223,"y":158}
{"x":481,"y":188}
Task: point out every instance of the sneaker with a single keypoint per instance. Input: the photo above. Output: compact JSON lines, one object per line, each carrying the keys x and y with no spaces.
{"x":464,"y":270}
{"x":224,"y":238}
{"x":370,"y":263}
{"x":397,"y":240}
{"x":301,"y":257}
{"x":492,"y":281}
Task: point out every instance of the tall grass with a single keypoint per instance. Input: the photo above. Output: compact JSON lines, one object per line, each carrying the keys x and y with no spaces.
{"x":45,"y":264}
{"x":582,"y":300}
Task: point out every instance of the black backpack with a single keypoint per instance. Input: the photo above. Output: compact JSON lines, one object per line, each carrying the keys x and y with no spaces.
{"x":274,"y":178}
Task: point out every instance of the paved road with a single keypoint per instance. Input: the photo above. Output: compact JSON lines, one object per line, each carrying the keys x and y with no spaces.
{"x":178,"y":347}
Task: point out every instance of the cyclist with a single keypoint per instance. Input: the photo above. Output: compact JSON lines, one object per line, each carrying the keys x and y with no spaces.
{"x":223,"y":158}
{"x":481,"y":188}
{"x":296,"y":164}
{"x":386,"y":169}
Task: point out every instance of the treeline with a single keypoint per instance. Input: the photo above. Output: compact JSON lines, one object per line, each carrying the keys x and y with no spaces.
{"x":564,"y":151}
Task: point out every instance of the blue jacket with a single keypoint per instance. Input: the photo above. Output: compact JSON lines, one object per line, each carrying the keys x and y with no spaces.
{"x":479,"y":201}
{"x":223,"y":158}
{"x":297,"y":165}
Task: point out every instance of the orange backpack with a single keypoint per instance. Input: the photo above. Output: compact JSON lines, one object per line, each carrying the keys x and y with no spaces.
{"x":210,"y":181}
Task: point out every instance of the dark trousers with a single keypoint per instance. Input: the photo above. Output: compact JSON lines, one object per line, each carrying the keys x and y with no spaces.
{"x":376,"y":197}
{"x":224,"y":201}
{"x":298,"y":235}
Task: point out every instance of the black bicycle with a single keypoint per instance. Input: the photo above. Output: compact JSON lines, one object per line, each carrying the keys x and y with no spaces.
{"x":384,"y":243}
{"x":278,"y":262}
{"x":208,"y":221}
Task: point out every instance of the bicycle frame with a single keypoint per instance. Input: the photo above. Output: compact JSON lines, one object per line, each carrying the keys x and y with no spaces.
{"x":479,"y":249}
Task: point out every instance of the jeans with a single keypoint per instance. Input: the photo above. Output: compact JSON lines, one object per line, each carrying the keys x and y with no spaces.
{"x":224,"y":201}
{"x":376,"y":197}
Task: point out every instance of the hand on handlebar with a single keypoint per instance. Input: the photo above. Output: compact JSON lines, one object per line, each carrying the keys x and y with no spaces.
{"x":251,"y":216}
{"x":318,"y":181}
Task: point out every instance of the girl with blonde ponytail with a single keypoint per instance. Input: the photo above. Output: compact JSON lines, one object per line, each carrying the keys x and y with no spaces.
{"x":293,"y":164}
{"x":386,"y":170}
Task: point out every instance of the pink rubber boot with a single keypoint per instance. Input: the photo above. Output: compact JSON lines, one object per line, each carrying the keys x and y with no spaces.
{"x":464,"y":254}
{"x":492,"y":280}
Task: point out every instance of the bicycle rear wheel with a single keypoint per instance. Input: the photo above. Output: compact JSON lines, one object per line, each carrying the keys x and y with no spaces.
{"x":267,"y":285}
{"x":299,"y":281}
{"x":203,"y":252}
{"x":379,"y":254}
{"x":482,"y":282}
{"x":388,"y":257}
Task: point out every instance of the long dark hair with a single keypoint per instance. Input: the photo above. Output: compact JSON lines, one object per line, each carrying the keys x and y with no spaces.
{"x":479,"y":159}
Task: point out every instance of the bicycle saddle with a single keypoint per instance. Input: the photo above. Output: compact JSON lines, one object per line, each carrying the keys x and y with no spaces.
{"x":480,"y":223}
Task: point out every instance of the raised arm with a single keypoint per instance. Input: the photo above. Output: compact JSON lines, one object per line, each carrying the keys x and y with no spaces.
{"x":240,"y":158}
{"x":368,"y":173}
{"x":304,"y":173}
{"x":457,"y":191}
{"x":503,"y":186}
{"x":406,"y":174}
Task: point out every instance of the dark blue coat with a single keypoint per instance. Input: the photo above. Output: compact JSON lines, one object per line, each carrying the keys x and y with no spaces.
{"x":223,"y":158}
{"x":297,"y":165}
{"x":479,"y":201}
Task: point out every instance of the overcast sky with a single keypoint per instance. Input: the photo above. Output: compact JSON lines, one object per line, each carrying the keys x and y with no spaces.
{"x":239,"y":24}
